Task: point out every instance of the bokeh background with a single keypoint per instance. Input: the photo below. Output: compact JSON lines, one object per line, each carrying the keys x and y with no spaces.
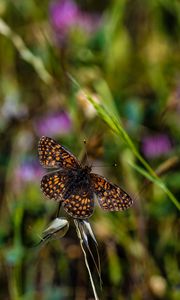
{"x":126,"y":55}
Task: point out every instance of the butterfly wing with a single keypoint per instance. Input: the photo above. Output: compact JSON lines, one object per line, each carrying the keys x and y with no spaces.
{"x":110,"y":196}
{"x":79,"y":203}
{"x":53,"y":185}
{"x":53,"y":155}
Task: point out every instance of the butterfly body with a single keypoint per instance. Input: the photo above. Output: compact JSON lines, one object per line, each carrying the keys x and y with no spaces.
{"x":75,"y":185}
{"x":78,"y":179}
{"x":82,"y":175}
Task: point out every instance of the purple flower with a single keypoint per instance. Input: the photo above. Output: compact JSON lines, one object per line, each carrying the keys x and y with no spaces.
{"x":58,"y":123}
{"x":29,"y":170}
{"x":66,"y":15}
{"x":63,"y":14}
{"x":156,"y":145}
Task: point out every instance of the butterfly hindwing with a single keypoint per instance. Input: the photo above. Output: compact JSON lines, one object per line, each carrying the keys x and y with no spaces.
{"x":79,"y":203}
{"x":53,"y":185}
{"x":110,"y":196}
{"x":53,"y":155}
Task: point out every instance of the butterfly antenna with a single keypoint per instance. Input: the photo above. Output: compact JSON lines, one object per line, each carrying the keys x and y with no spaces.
{"x":114,"y":165}
{"x":85,"y":156}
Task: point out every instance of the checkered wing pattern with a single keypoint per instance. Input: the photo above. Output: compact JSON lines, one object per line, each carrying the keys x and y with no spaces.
{"x":79,"y":204}
{"x":110,"y":196}
{"x":53,"y":185}
{"x":53,"y":155}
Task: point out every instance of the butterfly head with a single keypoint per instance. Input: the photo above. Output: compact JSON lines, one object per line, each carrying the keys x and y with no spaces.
{"x":86,"y":169}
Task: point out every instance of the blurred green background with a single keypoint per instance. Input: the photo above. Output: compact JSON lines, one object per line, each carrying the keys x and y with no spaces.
{"x":126,"y":55}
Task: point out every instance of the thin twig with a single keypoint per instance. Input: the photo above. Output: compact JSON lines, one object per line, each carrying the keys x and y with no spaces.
{"x":167,"y":165}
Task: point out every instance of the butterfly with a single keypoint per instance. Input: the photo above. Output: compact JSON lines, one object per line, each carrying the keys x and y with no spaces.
{"x":74,"y":185}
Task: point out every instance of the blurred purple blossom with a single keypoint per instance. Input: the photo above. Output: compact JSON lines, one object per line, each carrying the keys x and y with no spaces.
{"x":58,"y":123}
{"x":29,"y":170}
{"x":63,"y":14}
{"x":156,"y":145}
{"x":66,"y":15}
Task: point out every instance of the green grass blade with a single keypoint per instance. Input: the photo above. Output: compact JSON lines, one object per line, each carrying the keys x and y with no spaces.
{"x":116,"y":126}
{"x":25,"y":53}
{"x":157,"y":181}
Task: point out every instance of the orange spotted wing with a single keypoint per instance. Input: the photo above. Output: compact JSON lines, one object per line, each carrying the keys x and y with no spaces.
{"x":53,"y":155}
{"x":53,"y":185}
{"x":110,"y":196}
{"x":80,"y":203}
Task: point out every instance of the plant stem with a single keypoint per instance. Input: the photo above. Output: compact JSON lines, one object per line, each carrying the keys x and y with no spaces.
{"x":85,"y":258}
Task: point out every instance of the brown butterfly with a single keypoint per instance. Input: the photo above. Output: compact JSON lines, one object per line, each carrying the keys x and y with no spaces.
{"x":74,"y":185}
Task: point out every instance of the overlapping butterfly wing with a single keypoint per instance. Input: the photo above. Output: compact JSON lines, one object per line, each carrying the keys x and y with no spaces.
{"x":79,"y":202}
{"x":110,"y":196}
{"x":53,"y":185}
{"x":53,"y":155}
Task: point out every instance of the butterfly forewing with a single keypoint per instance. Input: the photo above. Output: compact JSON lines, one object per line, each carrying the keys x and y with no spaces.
{"x":53,"y":185}
{"x":80,"y":204}
{"x":110,"y":196}
{"x":53,"y":155}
